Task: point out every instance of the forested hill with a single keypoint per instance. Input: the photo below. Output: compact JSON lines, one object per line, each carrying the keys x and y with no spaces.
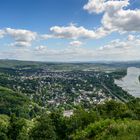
{"x":17,"y":103}
{"x":110,"y":121}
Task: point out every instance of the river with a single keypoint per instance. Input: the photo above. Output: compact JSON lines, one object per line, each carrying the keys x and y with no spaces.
{"x":130,"y":82}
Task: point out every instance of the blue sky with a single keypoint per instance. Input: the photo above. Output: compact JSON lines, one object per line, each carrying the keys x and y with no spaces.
{"x":40,"y":15}
{"x":70,"y":30}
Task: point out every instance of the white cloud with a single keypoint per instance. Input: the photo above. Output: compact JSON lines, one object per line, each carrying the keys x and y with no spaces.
{"x":21,"y":35}
{"x":94,"y":6}
{"x":22,"y":38}
{"x":76,"y":43}
{"x":131,"y":37}
{"x":20,"y":44}
{"x":122,"y":21}
{"x":41,"y":48}
{"x":72,"y":32}
{"x":127,"y":49}
{"x":2,"y":33}
{"x":99,"y":6}
{"x":46,"y":36}
{"x":116,"y":17}
{"x":131,"y":42}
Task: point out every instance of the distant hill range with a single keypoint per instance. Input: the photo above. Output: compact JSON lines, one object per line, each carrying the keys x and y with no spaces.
{"x":38,"y":64}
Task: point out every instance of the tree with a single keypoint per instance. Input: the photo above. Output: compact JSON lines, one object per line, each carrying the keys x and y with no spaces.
{"x":3,"y":135}
{"x":60,"y":124}
{"x":113,"y":109}
{"x":43,"y":129}
{"x":16,"y":129}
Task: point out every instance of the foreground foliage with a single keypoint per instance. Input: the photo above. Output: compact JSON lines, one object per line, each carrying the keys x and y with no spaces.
{"x":110,"y":121}
{"x":110,"y":130}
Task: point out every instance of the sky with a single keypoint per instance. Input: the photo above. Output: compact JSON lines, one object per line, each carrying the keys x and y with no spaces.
{"x":70,"y":30}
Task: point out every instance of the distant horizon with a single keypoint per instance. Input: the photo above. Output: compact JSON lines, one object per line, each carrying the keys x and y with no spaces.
{"x":100,"y":61}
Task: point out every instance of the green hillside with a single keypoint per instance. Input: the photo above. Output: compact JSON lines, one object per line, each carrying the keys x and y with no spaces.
{"x":110,"y":130}
{"x":16,"y":63}
{"x":13,"y":102}
{"x":110,"y":121}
